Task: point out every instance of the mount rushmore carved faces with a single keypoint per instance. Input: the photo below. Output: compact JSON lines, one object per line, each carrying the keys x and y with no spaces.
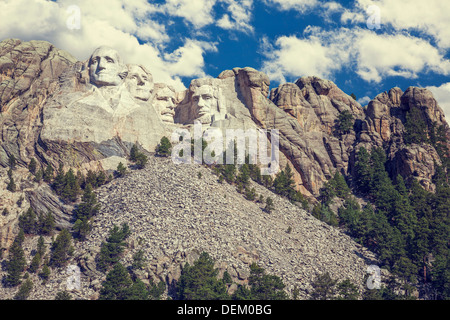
{"x":164,"y":102}
{"x":139,"y":82}
{"x":106,"y":67}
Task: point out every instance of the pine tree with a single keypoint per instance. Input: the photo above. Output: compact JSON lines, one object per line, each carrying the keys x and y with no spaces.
{"x":164,"y":148}
{"x":45,"y":272}
{"x":141,"y":160}
{"x":264,"y":286}
{"x":70,"y":189}
{"x":134,"y":151}
{"x":58,"y":182}
{"x":101,"y":178}
{"x":112,"y":249}
{"x":346,"y":290}
{"x":28,"y":222}
{"x":267,"y":181}
{"x":404,"y":216}
{"x":350,"y":214}
{"x":24,"y":290}
{"x":35,"y":263}
{"x":63,"y":295}
{"x":242,"y":293}
{"x":243,"y":177}
{"x":200,"y":282}
{"x":327,"y":193}
{"x":324,"y":213}
{"x":117,"y":284}
{"x":229,"y":172}
{"x":11,"y":185}
{"x":82,"y":227}
{"x":46,"y":223}
{"x":156,"y":290}
{"x":138,"y":290}
{"x":381,"y":187}
{"x":91,"y":178}
{"x":41,"y":246}
{"x":415,"y":127}
{"x":284,"y":183}
{"x":363,"y":171}
{"x":269,"y":205}
{"x":39,"y":175}
{"x":255,"y":171}
{"x":324,"y":287}
{"x":345,"y":122}
{"x":48,"y":173}
{"x":340,"y":186}
{"x":89,"y":205}
{"x":88,"y":208}
{"x":138,"y":260}
{"x":250,"y":194}
{"x":61,"y":249}
{"x":121,"y":170}
{"x":32,"y":166}
{"x":16,"y":263}
{"x":405,"y":268}
{"x":12,"y":162}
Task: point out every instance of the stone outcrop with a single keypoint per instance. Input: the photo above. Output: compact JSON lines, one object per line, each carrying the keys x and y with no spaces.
{"x":29,"y":74}
{"x":316,"y":151}
{"x":383,"y":126}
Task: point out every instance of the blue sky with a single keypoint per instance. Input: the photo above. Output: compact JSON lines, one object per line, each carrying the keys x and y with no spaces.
{"x":364,"y":46}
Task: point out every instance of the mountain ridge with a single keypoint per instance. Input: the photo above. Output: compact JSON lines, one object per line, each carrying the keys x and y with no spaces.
{"x":52,"y":111}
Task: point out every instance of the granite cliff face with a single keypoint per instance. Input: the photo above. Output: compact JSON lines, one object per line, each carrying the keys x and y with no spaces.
{"x":86,"y":115}
{"x":55,"y":110}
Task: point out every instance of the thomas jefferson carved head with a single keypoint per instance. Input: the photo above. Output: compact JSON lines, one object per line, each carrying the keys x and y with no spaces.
{"x":139,"y":82}
{"x":164,"y":102}
{"x":106,"y":67}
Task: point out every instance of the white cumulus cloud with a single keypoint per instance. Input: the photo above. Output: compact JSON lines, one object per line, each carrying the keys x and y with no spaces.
{"x":442,"y":96}
{"x":380,"y":56}
{"x":198,"y":12}
{"x":239,"y":16}
{"x":299,"y":5}
{"x":429,"y":17}
{"x":371,"y":55}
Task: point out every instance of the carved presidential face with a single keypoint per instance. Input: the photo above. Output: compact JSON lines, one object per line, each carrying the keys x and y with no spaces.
{"x":204,"y":104}
{"x":105,"y":67}
{"x":139,"y":82}
{"x":165,"y":103}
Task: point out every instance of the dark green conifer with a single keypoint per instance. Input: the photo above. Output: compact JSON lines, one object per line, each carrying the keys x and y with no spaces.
{"x":121,"y":170}
{"x":32,"y":166}
{"x":24,"y":290}
{"x":61,"y":249}
{"x":200,"y":282}
{"x":28,"y":222}
{"x":117,"y":284}
{"x":164,"y":147}
{"x":16,"y":262}
{"x":48,"y":173}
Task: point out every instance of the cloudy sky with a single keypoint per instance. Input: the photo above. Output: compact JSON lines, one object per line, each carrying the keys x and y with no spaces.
{"x":364,"y":46}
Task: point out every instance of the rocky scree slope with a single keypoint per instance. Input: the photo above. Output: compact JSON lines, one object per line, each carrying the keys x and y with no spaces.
{"x":174,"y":216}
